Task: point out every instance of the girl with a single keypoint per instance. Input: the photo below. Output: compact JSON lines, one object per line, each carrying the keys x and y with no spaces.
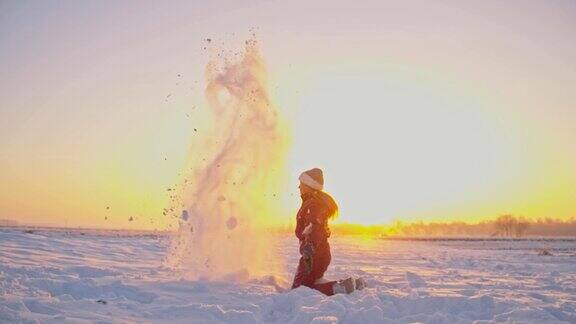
{"x":312,"y":231}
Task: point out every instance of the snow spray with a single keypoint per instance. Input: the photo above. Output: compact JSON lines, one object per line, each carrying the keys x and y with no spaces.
{"x":230,"y":192}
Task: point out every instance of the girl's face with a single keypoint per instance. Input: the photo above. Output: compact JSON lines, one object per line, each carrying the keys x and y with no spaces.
{"x":304,"y":188}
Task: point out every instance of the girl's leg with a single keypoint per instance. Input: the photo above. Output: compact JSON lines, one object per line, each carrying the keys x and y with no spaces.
{"x":321,"y":280}
{"x":327,"y":288}
{"x":302,"y":277}
{"x":308,"y":277}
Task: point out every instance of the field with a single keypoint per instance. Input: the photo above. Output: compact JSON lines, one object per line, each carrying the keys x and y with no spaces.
{"x":72,"y":276}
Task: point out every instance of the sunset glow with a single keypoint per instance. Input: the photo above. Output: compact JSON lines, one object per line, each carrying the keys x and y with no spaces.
{"x":413,"y":111}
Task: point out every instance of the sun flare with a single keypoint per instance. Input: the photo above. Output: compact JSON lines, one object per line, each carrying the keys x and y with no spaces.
{"x":399,"y":144}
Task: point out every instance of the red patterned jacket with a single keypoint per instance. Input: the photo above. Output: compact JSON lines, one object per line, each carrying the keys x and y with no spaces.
{"x":317,"y":207}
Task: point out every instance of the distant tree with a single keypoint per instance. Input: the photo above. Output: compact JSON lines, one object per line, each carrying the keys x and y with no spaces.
{"x":521,"y":228}
{"x":505,"y":225}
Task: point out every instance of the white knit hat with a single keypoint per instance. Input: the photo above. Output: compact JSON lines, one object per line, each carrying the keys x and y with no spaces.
{"x":313,"y":178}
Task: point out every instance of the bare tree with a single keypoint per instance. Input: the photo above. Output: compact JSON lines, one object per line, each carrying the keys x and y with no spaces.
{"x":505,"y":225}
{"x":522,"y":226}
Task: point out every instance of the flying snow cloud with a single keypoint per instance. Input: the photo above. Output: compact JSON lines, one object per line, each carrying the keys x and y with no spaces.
{"x":230,"y":192}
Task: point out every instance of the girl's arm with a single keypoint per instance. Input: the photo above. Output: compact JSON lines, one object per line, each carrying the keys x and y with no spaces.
{"x":312,"y":232}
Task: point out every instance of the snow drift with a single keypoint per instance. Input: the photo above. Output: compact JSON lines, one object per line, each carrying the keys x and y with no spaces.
{"x":76,"y":277}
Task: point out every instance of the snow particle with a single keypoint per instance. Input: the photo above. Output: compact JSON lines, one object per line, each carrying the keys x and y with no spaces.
{"x":231,"y":223}
{"x":184,"y":215}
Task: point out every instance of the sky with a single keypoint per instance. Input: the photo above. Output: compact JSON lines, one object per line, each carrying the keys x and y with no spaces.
{"x":415,"y":110}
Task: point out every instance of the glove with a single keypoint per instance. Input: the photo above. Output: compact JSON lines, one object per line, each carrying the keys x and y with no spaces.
{"x":307,"y":265}
{"x":307,"y":250}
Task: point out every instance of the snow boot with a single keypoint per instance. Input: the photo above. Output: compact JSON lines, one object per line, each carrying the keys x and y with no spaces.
{"x":360,"y":283}
{"x":345,"y":286}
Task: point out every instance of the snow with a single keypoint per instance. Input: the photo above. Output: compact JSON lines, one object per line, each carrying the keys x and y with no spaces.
{"x":59,"y":276}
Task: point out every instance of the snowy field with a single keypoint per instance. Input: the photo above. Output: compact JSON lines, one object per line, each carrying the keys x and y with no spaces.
{"x":56,"y":277}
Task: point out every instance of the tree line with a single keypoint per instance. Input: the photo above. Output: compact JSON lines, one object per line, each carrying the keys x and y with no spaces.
{"x":506,"y":225}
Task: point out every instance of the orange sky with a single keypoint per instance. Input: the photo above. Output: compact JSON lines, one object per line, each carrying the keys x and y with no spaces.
{"x":415,"y":110}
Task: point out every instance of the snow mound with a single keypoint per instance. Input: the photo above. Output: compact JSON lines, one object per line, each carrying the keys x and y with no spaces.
{"x":414,"y":280}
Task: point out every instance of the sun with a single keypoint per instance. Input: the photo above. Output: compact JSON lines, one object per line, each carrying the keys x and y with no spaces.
{"x":396,"y":145}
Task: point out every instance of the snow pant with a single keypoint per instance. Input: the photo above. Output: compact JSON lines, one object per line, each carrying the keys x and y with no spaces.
{"x":307,"y":276}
